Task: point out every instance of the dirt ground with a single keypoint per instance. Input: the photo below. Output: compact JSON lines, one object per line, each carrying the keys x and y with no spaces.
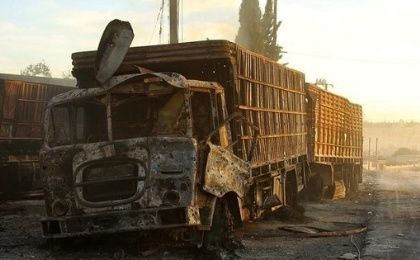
{"x":388,"y":204}
{"x":394,"y":228}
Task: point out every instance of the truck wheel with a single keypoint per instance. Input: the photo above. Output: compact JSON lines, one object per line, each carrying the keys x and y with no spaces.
{"x":330,"y":191}
{"x":55,"y":244}
{"x":291,"y":192}
{"x":316,"y":188}
{"x":354,"y":184}
{"x":221,"y":229}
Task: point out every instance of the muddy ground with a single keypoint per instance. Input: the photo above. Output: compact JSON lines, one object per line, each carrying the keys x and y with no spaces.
{"x":390,"y":211}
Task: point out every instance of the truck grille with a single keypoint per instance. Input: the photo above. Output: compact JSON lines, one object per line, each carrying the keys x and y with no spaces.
{"x":111,"y":181}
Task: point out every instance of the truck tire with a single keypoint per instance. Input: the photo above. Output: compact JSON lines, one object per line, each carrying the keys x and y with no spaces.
{"x":354,"y":184}
{"x":221,"y":229}
{"x":57,"y":244}
{"x":329,"y":192}
{"x":291,"y":191}
{"x":315,"y":188}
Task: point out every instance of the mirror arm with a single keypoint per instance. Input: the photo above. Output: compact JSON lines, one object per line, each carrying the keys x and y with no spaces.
{"x":254,"y":137}
{"x":253,"y":145}
{"x":242,"y":118}
{"x":230,"y":118}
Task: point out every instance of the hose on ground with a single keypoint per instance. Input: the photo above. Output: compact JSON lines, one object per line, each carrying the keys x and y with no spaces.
{"x":357,"y":248}
{"x":338,"y":233}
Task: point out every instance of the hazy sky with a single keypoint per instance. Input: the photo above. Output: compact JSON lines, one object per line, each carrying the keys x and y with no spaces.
{"x":369,"y":49}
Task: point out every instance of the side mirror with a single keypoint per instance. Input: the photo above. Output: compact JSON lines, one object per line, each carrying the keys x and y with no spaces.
{"x":238,"y":115}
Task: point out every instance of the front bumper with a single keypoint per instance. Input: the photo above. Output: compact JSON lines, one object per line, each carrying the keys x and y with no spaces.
{"x":122,"y":221}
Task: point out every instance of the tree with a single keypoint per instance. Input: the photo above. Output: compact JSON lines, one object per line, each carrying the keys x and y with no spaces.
{"x":270,"y":27}
{"x":405,"y":151}
{"x":39,"y":69}
{"x":66,"y":74}
{"x":257,"y":33}
{"x":249,"y":33}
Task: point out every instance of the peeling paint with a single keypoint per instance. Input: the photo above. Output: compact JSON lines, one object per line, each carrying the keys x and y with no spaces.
{"x":226,"y":173}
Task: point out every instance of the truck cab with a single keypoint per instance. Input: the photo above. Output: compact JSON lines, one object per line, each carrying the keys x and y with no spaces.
{"x":133,"y":155}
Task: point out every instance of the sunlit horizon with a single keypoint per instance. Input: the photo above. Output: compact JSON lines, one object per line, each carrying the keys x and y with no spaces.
{"x":367,"y":49}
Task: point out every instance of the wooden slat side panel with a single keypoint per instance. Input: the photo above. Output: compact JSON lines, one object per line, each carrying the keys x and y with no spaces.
{"x":338,"y":128}
{"x":272,"y":97}
{"x":265,"y":92}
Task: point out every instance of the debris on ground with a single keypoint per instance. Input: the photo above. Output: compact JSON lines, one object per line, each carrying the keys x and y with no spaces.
{"x":288,"y":213}
{"x":348,"y":256}
{"x":311,"y":231}
{"x":10,"y":209}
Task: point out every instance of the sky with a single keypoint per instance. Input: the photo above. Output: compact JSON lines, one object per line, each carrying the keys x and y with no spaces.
{"x":368,"y":49}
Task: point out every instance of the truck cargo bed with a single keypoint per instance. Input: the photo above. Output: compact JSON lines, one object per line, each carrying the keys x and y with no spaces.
{"x":335,"y":127}
{"x":269,"y":95}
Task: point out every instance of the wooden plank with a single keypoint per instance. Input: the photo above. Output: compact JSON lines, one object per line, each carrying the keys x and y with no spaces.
{"x":337,"y":127}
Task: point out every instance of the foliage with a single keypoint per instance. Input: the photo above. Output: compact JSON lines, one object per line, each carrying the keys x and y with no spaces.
{"x":66,"y":74}
{"x":257,"y":33}
{"x":39,"y":69}
{"x":250,"y":29}
{"x":270,"y":27}
{"x":405,"y":151}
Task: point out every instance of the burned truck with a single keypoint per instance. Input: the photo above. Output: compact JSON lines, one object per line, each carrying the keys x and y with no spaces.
{"x":22,"y":103}
{"x":335,"y":144}
{"x":190,"y":139}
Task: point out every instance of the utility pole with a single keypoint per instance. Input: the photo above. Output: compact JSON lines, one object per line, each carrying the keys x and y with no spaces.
{"x":369,"y":156}
{"x":173,"y":21}
{"x":376,"y":153}
{"x":324,"y":83}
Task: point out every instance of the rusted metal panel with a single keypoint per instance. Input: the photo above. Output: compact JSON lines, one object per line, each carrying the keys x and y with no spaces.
{"x":226,"y":173}
{"x":335,"y":127}
{"x":22,"y":105}
{"x":173,"y":53}
{"x":10,"y":96}
{"x":23,"y":108}
{"x":268,"y":94}
{"x":114,"y":44}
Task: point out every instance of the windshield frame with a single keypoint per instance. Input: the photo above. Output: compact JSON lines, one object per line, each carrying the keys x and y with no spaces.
{"x":80,"y":95}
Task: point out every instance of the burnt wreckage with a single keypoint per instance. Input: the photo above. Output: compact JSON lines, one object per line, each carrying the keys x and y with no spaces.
{"x":23,"y":100}
{"x":219,"y":140}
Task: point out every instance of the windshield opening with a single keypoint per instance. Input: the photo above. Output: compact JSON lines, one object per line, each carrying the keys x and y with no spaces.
{"x":132,"y":115}
{"x":148,"y":115}
{"x":80,"y":122}
{"x":59,"y":127}
{"x":90,"y":122}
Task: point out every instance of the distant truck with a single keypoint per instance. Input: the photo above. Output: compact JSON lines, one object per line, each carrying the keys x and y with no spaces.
{"x":335,"y":146}
{"x":188,"y":139}
{"x":22,"y":103}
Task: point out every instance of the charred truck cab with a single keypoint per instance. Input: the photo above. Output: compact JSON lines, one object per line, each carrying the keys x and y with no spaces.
{"x":126,"y":157}
{"x":140,"y":149}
